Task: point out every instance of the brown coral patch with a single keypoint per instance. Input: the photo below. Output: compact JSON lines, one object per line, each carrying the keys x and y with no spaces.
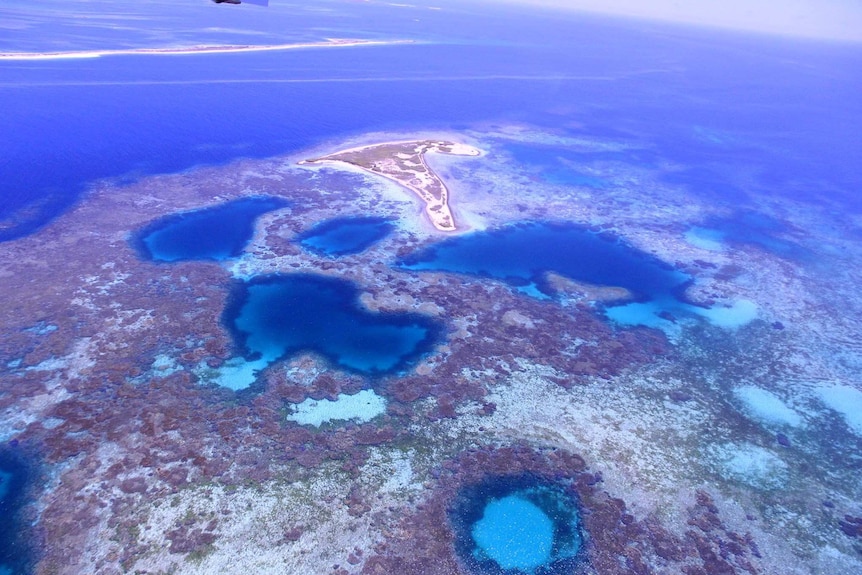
{"x":509,"y":327}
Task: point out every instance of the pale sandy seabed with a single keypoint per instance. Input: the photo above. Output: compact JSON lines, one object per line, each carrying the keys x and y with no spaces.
{"x":702,"y":416}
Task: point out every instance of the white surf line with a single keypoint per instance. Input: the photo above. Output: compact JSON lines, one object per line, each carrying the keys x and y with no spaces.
{"x":517,"y":78}
{"x":195,"y":50}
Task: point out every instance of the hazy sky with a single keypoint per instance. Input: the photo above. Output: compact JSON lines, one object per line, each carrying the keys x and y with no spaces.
{"x":834,"y":19}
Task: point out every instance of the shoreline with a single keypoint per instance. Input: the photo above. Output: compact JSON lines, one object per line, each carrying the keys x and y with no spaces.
{"x":202,"y":49}
{"x":400,"y":165}
{"x":364,"y":147}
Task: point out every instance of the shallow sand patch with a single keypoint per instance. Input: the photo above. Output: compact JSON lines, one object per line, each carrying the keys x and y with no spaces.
{"x":766,"y":407}
{"x":749,"y":464}
{"x":363,"y":406}
{"x":845,"y":400}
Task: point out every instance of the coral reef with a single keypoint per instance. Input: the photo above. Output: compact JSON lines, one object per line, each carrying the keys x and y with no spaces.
{"x":616,"y":541}
{"x":109,"y":365}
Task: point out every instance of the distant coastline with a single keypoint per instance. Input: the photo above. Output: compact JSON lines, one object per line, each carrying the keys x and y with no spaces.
{"x":202,"y":49}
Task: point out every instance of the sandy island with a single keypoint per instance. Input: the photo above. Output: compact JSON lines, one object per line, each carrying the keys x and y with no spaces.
{"x":203,"y":49}
{"x":404,"y":163}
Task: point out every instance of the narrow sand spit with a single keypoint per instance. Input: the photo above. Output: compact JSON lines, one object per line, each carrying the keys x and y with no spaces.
{"x":404,"y":163}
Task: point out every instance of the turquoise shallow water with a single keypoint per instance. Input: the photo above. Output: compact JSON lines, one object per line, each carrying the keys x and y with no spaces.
{"x":277,"y":316}
{"x":217,"y":233}
{"x":517,"y":524}
{"x":515,"y":533}
{"x":344,"y":236}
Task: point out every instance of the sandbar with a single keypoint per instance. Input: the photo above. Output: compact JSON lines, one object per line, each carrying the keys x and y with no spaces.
{"x":404,"y":163}
{"x":201,"y":49}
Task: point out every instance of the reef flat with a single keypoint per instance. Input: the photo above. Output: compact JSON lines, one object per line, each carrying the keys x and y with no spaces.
{"x":404,"y":163}
{"x":682,"y":443}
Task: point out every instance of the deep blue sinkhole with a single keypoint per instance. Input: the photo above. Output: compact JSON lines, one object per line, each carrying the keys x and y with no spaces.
{"x":517,"y":524}
{"x":344,"y":236}
{"x":520,"y":254}
{"x":15,"y":551}
{"x":277,"y":316}
{"x":215,"y":233}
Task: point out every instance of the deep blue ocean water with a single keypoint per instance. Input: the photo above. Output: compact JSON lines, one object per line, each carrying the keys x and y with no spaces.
{"x":216,"y":233}
{"x":276,"y":316}
{"x":343,"y":236}
{"x":713,"y":102}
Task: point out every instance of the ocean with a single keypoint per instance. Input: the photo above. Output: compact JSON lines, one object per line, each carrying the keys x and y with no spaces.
{"x":67,"y":123}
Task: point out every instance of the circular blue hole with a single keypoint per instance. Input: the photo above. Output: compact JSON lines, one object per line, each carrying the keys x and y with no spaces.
{"x":520,"y":524}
